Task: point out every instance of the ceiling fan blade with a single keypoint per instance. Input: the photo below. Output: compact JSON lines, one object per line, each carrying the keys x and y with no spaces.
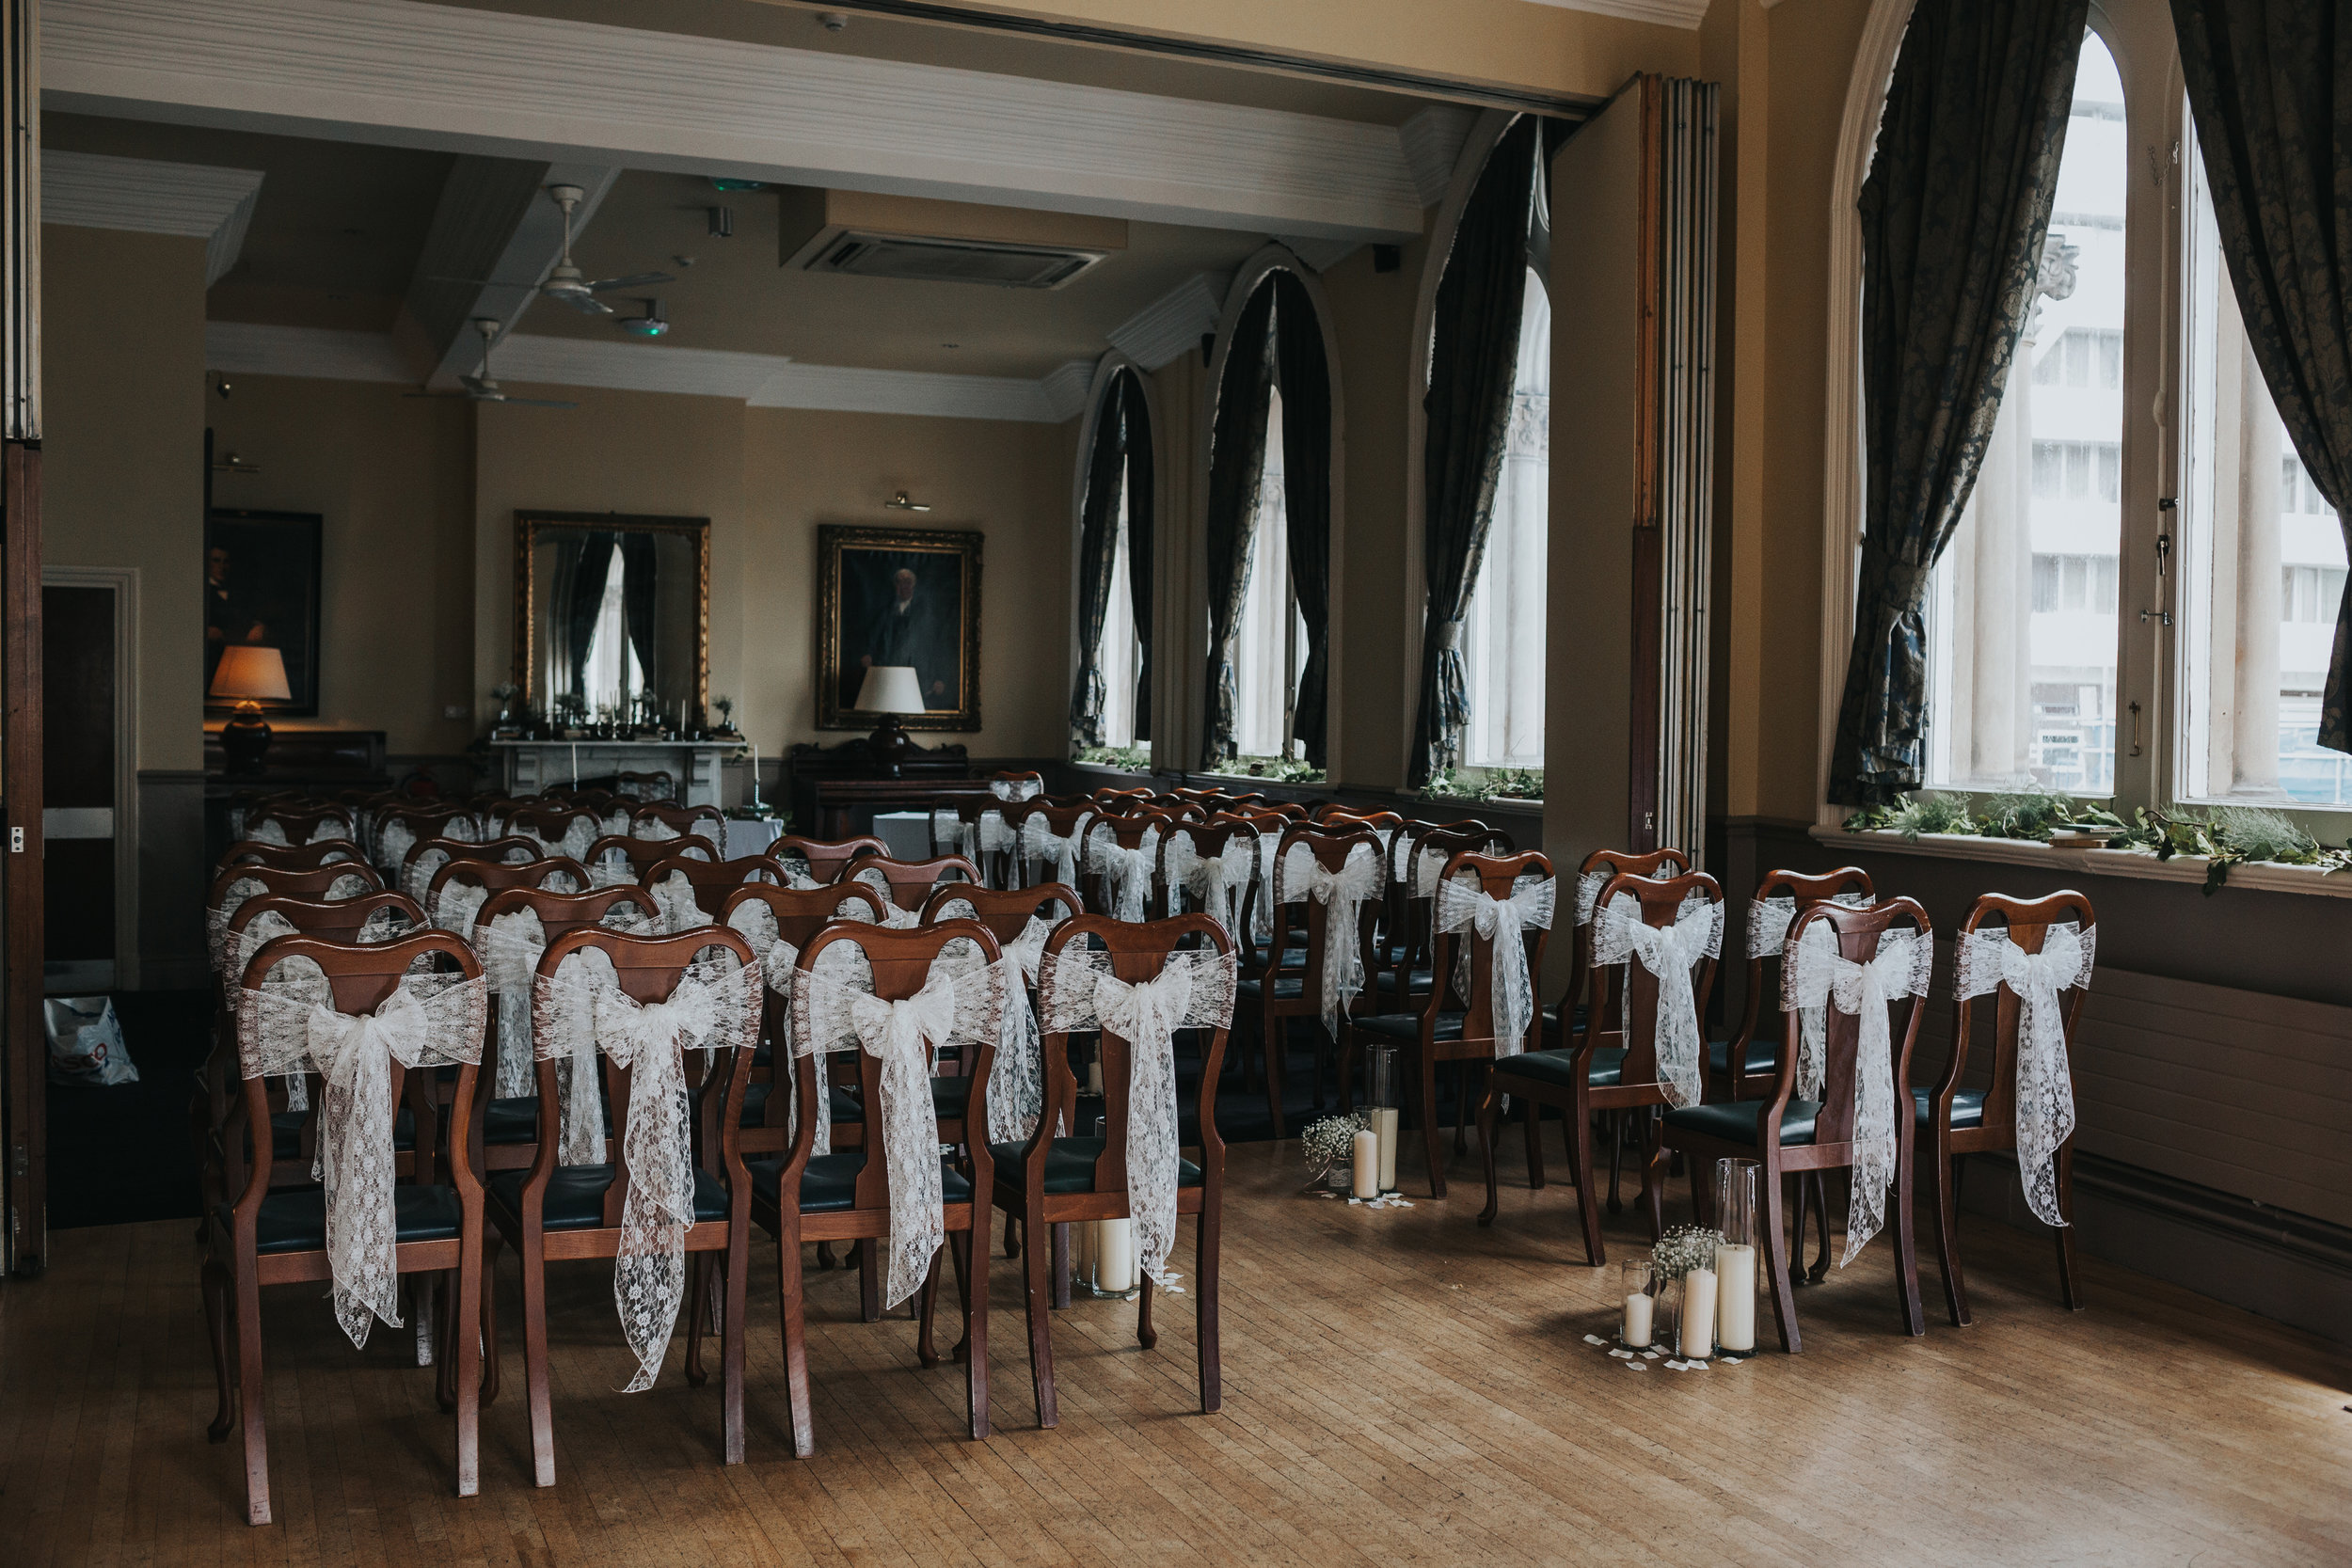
{"x":579,"y":300}
{"x":540,"y":403}
{"x":634,"y":280}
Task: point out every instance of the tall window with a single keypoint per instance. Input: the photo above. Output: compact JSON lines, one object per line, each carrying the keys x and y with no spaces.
{"x":1503,"y":644}
{"x":1271,"y":638}
{"x":1121,"y":652}
{"x":2022,"y":605}
{"x":2262,"y":565}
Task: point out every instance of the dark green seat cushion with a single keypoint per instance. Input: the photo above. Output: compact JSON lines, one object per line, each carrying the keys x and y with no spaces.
{"x":1070,"y":1165}
{"x":1406,"y":1026}
{"x":1551,"y":1018}
{"x":295,"y":1220}
{"x":285,"y":1133}
{"x":1761,"y":1058}
{"x":828,"y":1181}
{"x":1735,"y":1121}
{"x":1288,"y":986}
{"x":1416,"y":982}
{"x":511,"y":1121}
{"x":1557,"y":1069}
{"x":575,"y":1197}
{"x":1967,"y":1107}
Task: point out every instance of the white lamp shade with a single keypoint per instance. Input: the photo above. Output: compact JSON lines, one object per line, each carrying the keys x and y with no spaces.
{"x":890,"y":688}
{"x":250,"y":673}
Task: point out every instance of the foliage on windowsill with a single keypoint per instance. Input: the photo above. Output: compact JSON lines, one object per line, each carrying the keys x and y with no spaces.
{"x":1127,"y":759}
{"x":2223,"y":837}
{"x":1493,"y":783}
{"x":1273,"y":770}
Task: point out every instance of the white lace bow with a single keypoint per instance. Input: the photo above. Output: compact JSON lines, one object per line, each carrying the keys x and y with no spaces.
{"x":1193,"y":990}
{"x":1049,"y":856}
{"x":1015,"y":789}
{"x":1016,"y":1084}
{"x":1126,"y":873}
{"x":1815,"y":976}
{"x":1218,"y":884}
{"x":978,"y":841}
{"x":1342,"y":895}
{"x":1769,"y":920}
{"x":289,"y":1024}
{"x":1988,"y":959}
{"x":1669,"y":953}
{"x":1463,"y":905}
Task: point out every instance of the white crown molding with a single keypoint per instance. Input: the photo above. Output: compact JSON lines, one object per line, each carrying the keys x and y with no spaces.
{"x":1665,"y":13}
{"x":1173,"y":323}
{"x":761,"y":380}
{"x":95,"y":190}
{"x":491,"y":82}
{"x":1322,"y":255}
{"x":1432,"y":145}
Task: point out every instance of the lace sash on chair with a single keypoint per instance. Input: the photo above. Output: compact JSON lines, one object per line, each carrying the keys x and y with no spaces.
{"x":1016,"y":1084}
{"x":1769,"y":920}
{"x":581,"y":1011}
{"x":1052,"y":857}
{"x":1342,"y":894}
{"x":1988,"y":959}
{"x":270,"y":830}
{"x":844,"y":961}
{"x":1215,"y":884}
{"x":1817,"y":975}
{"x":977,"y":842}
{"x":232,"y":899}
{"x":382,"y":926}
{"x":509,"y":948}
{"x":1126,"y":873}
{"x":1015,"y":789}
{"x":581,"y":829}
{"x":1463,"y":906}
{"x":289,"y":1024}
{"x":1194,"y":990}
{"x":1669,"y":953}
{"x":828,"y":1016}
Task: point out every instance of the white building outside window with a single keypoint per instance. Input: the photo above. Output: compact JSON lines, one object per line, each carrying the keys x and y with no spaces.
{"x":1502,"y":643}
{"x":1270,"y":636}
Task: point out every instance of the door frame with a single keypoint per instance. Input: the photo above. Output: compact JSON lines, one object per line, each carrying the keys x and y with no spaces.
{"x":125,"y":581}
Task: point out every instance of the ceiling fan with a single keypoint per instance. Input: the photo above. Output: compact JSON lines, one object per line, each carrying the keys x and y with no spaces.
{"x":565,"y":282}
{"x":481,"y":388}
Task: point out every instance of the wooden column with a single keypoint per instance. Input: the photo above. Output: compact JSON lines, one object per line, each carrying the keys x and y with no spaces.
{"x":23,"y":1056}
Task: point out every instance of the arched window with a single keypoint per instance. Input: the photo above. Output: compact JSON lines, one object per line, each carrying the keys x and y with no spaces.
{"x":1502,"y":643}
{"x":1110,"y":705}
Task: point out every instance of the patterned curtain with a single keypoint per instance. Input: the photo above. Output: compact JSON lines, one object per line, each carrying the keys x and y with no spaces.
{"x":2270,"y":91}
{"x":1098,"y":539}
{"x":1236,"y":467}
{"x":1139,"y":481}
{"x":1953,"y":217}
{"x":1305,"y":377}
{"x":1474,"y":360}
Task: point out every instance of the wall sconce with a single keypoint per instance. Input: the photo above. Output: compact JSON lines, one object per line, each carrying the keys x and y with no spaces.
{"x":900,"y":502}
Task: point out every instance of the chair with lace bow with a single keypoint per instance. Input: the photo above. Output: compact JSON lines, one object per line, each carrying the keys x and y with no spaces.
{"x":1136,"y":984}
{"x":1330,"y":884}
{"x":1214,"y":867}
{"x":892,"y":998}
{"x":822,"y":859}
{"x":287,"y":857}
{"x":237,"y":883}
{"x":1016,"y":784}
{"x":426,"y":860}
{"x":618,"y":858}
{"x":300,"y":822}
{"x":461,"y":886}
{"x":625,"y":1011}
{"x":1411,"y":933}
{"x":368,"y":1022}
{"x":655,"y":785}
{"x":558,"y":829}
{"x":689,"y":888}
{"x":905,"y":885}
{"x":400,"y":828}
{"x":1493,"y":914}
{"x":1654,"y":944}
{"x":2033,"y":958}
{"x":1875,"y":960}
{"x":658,"y":821}
{"x":973,"y":826}
{"x":1123,"y":861}
{"x":778,"y":921}
{"x":1051,"y":839}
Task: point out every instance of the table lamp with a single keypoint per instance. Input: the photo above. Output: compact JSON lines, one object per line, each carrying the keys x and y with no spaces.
{"x":890,"y":690}
{"x":250,"y":674}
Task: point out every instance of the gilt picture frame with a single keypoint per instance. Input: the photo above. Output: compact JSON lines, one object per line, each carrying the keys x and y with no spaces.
{"x":898,"y":596}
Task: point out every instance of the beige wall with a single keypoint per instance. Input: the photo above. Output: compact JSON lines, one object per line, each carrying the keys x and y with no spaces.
{"x":123,"y":467}
{"x":391,"y":477}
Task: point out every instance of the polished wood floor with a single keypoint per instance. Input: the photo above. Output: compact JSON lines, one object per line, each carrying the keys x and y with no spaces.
{"x":1401,"y":1387}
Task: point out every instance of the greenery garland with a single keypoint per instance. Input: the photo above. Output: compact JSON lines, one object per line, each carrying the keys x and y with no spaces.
{"x":1500,"y":784}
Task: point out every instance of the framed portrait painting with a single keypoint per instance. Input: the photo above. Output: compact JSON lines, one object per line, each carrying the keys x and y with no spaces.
{"x":898,"y":597}
{"x":262,"y":586}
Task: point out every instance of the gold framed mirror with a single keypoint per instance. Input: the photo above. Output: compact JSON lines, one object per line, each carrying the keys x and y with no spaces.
{"x":612,"y":615}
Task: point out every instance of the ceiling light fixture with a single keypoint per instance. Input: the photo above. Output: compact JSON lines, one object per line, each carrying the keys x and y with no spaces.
{"x":900,"y":503}
{"x":650,"y":324}
{"x":832,"y":22}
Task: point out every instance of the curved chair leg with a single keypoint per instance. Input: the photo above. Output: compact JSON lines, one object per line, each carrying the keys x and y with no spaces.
{"x":1146,"y":1336}
{"x":536,"y":1361}
{"x":927,"y":1302}
{"x":1937,"y":1169}
{"x":436,"y":1311}
{"x":974,"y":1347}
{"x":1614,"y":1121}
{"x":1462,"y":1078}
{"x":1041,"y":1317}
{"x":825,"y":1259}
{"x":1487,"y":1152}
{"x":791,"y":1320}
{"x":1776,"y":1264}
{"x":1013,"y":1234}
{"x":1532,"y":1112}
{"x":697,"y":1315}
{"x":1580,"y":1121}
{"x":249,"y":1401}
{"x":2070,"y":1286}
{"x":1273,"y":1037}
{"x":1426,"y":1113}
{"x":960,"y":1255}
{"x":1205,"y":1261}
{"x":489,"y":1317}
{"x":461,"y":1349}
{"x":735,"y":1275}
{"x":1907,"y":1238}
{"x":218,"y":1289}
{"x":1819,"y":1182}
{"x":868,"y":1282}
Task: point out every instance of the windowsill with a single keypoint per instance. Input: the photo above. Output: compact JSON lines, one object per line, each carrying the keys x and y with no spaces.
{"x":1474,"y":802}
{"x":2266,"y":877}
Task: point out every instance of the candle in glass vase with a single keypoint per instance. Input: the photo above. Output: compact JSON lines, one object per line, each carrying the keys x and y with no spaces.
{"x":1636,"y":1328}
{"x":1384,"y":1128}
{"x":1367,"y":1164}
{"x":1636,"y":1280}
{"x":1735,"y":1298}
{"x":1115,"y":1256}
{"x":1698,"y":1315}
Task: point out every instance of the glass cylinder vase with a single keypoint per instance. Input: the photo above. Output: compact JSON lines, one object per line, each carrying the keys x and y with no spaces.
{"x":1735,"y":1254}
{"x":1382,"y":1064}
{"x":1637,"y":1304}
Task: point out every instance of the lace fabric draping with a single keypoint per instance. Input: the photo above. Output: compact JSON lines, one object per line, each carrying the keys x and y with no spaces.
{"x":1016,"y":1084}
{"x":1342,"y":894}
{"x":418,"y":878}
{"x":289,"y":1024}
{"x":509,"y":947}
{"x":1588,"y":886}
{"x":1429,"y":864}
{"x":1218,"y":884}
{"x":1193,"y":990}
{"x":581,"y":829}
{"x":1817,"y":975}
{"x":978,"y":841}
{"x":963,"y":1011}
{"x":1126,"y":874}
{"x":380,"y":925}
{"x":270,"y":830}
{"x":1464,"y":906}
{"x":1988,"y":959}
{"x":1669,"y":953}
{"x":680,"y":910}
{"x":1769,"y":920}
{"x":843,"y":961}
{"x":1015,"y":789}
{"x":1047,"y":856}
{"x":652,"y":831}
{"x":232,"y":899}
{"x":579,"y":1012}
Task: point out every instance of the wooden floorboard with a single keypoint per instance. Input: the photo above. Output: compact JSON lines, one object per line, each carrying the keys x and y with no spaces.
{"x":1401,"y":1387}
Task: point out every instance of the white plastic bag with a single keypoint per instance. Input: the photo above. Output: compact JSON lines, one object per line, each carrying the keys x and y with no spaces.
{"x":85,"y":1042}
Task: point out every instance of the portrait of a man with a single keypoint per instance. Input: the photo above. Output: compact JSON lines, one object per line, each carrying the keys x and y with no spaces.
{"x":902,"y":598}
{"x":261,"y":587}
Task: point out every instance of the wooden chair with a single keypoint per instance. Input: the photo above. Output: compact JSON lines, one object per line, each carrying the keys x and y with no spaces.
{"x":299,"y":820}
{"x":1282,"y":993}
{"x":565,"y":829}
{"x":279,"y":1238}
{"x":1209,"y":841}
{"x":825,"y":857}
{"x":798,"y":914}
{"x":711,"y":881}
{"x":966,"y":825}
{"x":552,"y":1213}
{"x":657,"y":784}
{"x":1063,"y":823}
{"x":1411,"y":937}
{"x":1604,"y":1069}
{"x":706,"y":821}
{"x":495,"y":877}
{"x":845,"y":1196}
{"x":427,"y":856}
{"x":642,"y":854}
{"x":908,"y":884}
{"x":1053,"y":1182}
{"x":1953,"y":1122}
{"x":234,"y":884}
{"x":1785,"y":1134}
{"x":287,"y":857}
{"x":1013,"y":781}
{"x":1140,"y":835}
{"x":1454,"y":1025}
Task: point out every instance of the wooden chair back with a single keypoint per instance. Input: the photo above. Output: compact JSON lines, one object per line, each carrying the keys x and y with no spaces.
{"x":707,"y":821}
{"x":1660,"y":901}
{"x":1208,"y":839}
{"x":1763,"y":976}
{"x":1581,"y":978}
{"x":1134,"y":830}
{"x":299,"y":820}
{"x":1331,"y":851}
{"x":825,"y":857}
{"x":1005,"y":911}
{"x":317,"y":881}
{"x":655,"y":784}
{"x":800,"y":914}
{"x":1857,"y":932}
{"x":2029,"y":921}
{"x":552,"y":825}
{"x":908,"y":884}
{"x":1014,"y":780}
{"x":287,"y":857}
{"x":498,"y":876}
{"x":335,"y":919}
{"x":717,"y":878}
{"x":1498,"y":878}
{"x":644,"y":853}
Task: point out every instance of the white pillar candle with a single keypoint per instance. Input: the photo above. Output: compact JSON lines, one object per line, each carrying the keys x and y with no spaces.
{"x":1094,"y":1076}
{"x":1384,"y":1128}
{"x":1637,"y":1315}
{"x":1082,"y":1245}
{"x":1115,"y":1256}
{"x":1735,"y":1298}
{"x":1698,"y":1315}
{"x":1367,"y":1164}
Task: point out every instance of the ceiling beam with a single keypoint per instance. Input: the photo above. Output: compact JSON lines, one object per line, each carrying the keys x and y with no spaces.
{"x":95,"y":190}
{"x":502,"y":85}
{"x":493,"y":237}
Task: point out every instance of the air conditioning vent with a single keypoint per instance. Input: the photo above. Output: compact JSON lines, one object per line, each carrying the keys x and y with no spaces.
{"x":945,"y":260}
